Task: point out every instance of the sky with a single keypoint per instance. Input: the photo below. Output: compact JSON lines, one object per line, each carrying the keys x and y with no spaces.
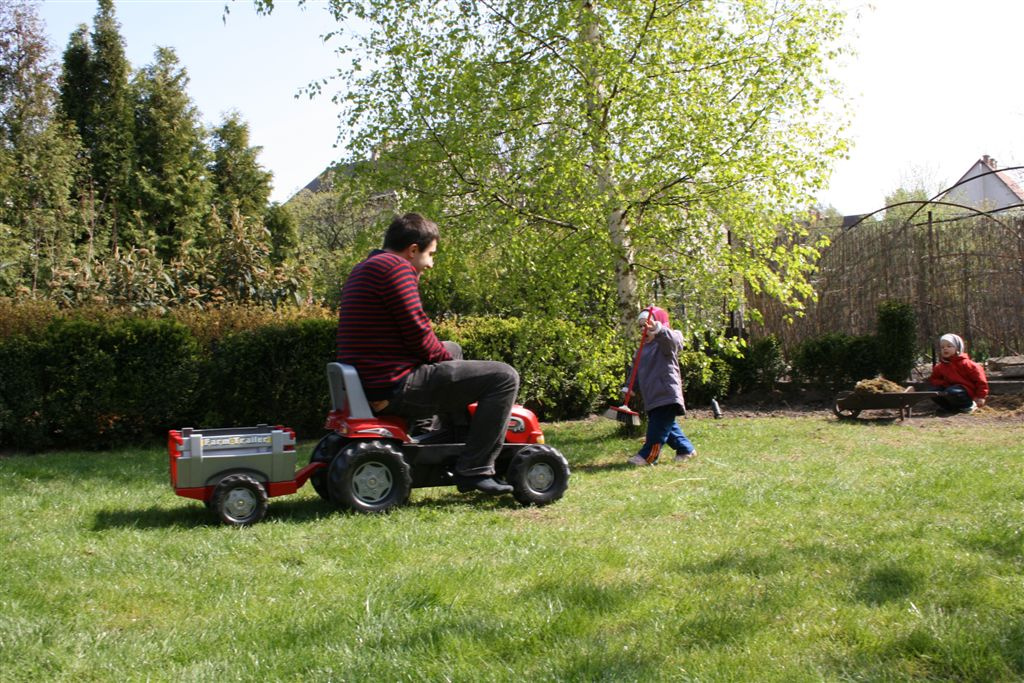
{"x":934,"y":84}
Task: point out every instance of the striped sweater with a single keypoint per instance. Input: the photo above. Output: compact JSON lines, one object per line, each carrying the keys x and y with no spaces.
{"x":382,"y":328}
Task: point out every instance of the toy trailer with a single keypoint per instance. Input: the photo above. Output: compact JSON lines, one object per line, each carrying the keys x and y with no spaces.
{"x":235,"y":470}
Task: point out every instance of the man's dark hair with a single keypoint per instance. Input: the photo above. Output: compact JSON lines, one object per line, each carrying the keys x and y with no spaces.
{"x":412,"y":228}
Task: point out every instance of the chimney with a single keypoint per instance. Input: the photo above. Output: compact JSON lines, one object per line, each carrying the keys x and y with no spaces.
{"x":989,"y":161}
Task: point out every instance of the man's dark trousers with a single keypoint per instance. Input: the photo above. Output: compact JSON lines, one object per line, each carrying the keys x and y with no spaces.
{"x":447,"y":388}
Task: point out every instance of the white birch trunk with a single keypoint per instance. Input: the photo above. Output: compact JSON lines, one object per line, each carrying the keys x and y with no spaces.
{"x":618,"y":226}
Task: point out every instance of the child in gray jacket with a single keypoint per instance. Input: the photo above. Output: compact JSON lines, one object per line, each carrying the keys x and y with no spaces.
{"x":661,"y":385}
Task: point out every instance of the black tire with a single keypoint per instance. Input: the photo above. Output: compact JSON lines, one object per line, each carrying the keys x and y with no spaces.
{"x":239,"y":500}
{"x":325,"y":452}
{"x":369,"y":476}
{"x":844,"y":413}
{"x":539,"y":475}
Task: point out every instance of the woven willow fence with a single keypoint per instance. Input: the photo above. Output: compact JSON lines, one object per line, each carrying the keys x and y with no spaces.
{"x":962,"y":275}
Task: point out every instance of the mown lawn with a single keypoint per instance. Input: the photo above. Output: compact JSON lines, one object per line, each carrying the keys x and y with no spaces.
{"x":792,"y":549}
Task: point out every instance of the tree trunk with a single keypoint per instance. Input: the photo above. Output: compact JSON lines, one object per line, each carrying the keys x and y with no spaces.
{"x":618,"y":226}
{"x":625,"y":275}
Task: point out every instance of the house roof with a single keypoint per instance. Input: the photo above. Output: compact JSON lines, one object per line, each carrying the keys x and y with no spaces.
{"x":1012,"y":178}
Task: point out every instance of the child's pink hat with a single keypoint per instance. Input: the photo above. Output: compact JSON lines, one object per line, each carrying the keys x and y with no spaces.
{"x":660,"y":315}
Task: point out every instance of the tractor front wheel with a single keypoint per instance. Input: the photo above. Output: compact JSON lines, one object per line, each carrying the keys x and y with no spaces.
{"x":539,"y":475}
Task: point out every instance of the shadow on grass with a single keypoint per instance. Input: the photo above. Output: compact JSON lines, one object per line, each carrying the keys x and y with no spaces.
{"x":950,"y":649}
{"x":194,"y":514}
{"x":481,"y":501}
{"x":603,"y":466}
{"x":871,"y":421}
{"x":887,"y":584}
{"x":1003,"y":539}
{"x":742,"y":562}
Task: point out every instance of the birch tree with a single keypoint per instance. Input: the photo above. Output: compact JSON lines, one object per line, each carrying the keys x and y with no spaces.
{"x":594,"y":155}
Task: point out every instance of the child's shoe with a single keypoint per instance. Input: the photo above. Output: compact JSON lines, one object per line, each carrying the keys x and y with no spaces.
{"x":638,"y":460}
{"x":683,"y":457}
{"x":970,"y":409}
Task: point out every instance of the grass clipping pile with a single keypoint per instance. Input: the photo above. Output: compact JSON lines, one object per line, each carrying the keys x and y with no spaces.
{"x":878,"y":385}
{"x":1008,"y":405}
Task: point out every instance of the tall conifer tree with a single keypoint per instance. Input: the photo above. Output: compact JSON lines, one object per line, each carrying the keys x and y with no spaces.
{"x":170,"y":174}
{"x":240,"y":181}
{"x":95,"y":94}
{"x":37,"y":155}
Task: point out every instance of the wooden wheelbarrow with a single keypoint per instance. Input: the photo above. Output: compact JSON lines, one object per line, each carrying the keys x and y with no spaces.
{"x":849,"y":403}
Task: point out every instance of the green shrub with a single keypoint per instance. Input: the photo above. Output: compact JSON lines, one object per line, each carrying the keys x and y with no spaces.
{"x":836,"y":360}
{"x":23,"y":423}
{"x":759,"y":368}
{"x":704,"y":377}
{"x":96,"y":384}
{"x":273,"y":374}
{"x":565,"y":370}
{"x":897,"y":335}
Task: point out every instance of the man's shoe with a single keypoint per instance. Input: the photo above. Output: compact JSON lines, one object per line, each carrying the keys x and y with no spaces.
{"x":483,"y":483}
{"x":970,"y":409}
{"x":638,"y":460}
{"x":683,"y":457}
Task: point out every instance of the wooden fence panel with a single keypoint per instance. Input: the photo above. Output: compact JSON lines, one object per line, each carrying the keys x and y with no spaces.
{"x":963,"y":275}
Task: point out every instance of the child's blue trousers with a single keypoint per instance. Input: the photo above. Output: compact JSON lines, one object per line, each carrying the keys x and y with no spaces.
{"x":662,"y":429}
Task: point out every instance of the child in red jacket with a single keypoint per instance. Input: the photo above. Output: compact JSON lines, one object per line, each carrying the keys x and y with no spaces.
{"x":960,"y":381}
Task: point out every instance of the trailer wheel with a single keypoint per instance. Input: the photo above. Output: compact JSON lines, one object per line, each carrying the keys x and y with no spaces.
{"x":539,"y":475}
{"x":844,"y":413}
{"x":239,"y":500}
{"x":369,"y":476}
{"x":325,"y":451}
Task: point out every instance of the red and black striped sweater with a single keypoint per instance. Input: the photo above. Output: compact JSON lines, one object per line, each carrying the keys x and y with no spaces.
{"x":382,"y":328}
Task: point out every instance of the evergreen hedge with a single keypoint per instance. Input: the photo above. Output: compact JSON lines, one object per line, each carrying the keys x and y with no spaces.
{"x":92,"y":384}
{"x":836,"y":360}
{"x":102,"y":381}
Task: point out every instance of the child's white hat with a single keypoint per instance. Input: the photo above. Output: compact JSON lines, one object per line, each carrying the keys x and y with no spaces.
{"x":955,"y":340}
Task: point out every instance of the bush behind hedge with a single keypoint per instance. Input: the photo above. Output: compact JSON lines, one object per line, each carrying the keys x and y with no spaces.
{"x":759,"y":367}
{"x":897,"y":338}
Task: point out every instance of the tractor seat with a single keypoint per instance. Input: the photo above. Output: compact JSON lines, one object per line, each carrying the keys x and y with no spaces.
{"x":347,"y":390}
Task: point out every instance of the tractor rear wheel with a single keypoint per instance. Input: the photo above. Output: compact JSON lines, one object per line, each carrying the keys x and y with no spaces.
{"x":325,"y":452}
{"x":369,"y":476}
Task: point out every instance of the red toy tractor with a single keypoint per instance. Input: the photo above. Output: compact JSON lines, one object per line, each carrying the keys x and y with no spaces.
{"x":370,"y":463}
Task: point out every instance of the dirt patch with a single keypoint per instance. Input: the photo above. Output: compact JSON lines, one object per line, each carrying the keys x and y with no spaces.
{"x":817,"y":404}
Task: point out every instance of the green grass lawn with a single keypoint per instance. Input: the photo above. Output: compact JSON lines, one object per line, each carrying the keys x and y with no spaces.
{"x":791,"y":549}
